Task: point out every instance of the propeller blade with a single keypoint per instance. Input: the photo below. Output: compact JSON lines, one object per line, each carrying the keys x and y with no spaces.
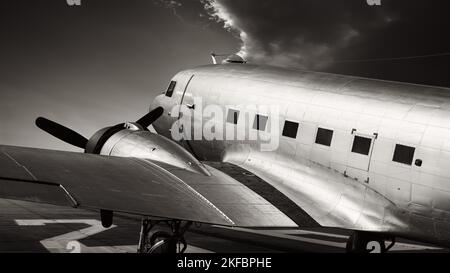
{"x":151,"y":117}
{"x":63,"y":133}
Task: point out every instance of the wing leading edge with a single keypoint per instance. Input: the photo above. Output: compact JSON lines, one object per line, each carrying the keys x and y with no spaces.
{"x":132,"y":185}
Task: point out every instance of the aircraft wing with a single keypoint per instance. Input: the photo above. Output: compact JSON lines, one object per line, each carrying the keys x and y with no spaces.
{"x":132,"y":185}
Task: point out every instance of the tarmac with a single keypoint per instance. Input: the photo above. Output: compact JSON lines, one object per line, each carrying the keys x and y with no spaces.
{"x":27,"y":227}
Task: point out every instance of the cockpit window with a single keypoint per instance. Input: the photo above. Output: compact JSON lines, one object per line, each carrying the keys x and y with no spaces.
{"x":171,"y":88}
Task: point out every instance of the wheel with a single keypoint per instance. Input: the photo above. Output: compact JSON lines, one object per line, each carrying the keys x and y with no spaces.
{"x":163,"y":242}
{"x":155,"y":241}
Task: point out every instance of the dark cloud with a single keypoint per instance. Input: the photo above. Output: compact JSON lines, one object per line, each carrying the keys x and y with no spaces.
{"x":321,"y":34}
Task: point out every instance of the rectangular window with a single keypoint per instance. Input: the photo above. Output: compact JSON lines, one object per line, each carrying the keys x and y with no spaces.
{"x":324,"y":136}
{"x":290,"y":129}
{"x":233,"y":116}
{"x":260,"y":122}
{"x":361,"y":145}
{"x":404,"y":154}
{"x":171,"y":88}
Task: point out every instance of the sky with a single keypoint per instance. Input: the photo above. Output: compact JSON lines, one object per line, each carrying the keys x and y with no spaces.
{"x":102,"y":63}
{"x":92,"y":65}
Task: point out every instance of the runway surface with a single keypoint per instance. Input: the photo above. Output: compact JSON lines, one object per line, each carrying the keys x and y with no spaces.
{"x":30,"y":227}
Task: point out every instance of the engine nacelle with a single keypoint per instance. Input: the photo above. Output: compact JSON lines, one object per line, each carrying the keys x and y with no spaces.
{"x":130,"y":140}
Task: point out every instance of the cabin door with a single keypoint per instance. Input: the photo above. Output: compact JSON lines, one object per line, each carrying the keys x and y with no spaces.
{"x":358,"y":163}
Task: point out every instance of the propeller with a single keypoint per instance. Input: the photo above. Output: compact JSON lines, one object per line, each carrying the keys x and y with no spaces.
{"x":70,"y":136}
{"x":61,"y":132}
{"x":151,"y":117}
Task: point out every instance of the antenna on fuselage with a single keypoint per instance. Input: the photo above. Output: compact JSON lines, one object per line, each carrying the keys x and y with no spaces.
{"x":233,"y":58}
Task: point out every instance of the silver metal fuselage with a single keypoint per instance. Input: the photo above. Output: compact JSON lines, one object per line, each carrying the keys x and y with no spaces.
{"x":335,"y":186}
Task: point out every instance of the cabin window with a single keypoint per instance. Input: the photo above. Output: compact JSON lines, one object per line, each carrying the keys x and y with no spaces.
{"x":361,"y":145}
{"x":260,"y":122}
{"x":324,"y":136}
{"x":233,"y":116}
{"x":171,"y":88}
{"x":404,"y":154}
{"x":290,"y":129}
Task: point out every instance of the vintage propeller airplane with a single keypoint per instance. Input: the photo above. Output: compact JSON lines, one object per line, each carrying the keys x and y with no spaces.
{"x":366,"y":155}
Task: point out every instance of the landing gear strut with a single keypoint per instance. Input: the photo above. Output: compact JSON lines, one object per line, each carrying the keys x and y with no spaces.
{"x":368,"y":242}
{"x":161,"y":241}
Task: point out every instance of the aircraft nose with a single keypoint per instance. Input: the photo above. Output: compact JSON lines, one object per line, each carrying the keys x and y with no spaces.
{"x":157,"y":102}
{"x":162,"y":125}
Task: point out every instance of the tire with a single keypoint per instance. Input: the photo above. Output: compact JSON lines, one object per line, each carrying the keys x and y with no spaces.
{"x":169,"y":245}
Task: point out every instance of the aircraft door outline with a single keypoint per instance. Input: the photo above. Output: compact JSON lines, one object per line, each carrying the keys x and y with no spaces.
{"x":360,"y":154}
